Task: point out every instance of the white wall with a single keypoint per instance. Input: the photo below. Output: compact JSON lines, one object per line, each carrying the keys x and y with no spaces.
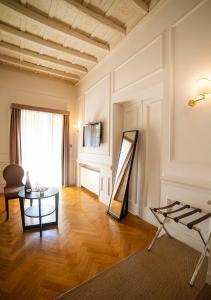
{"x":31,"y":89}
{"x":155,"y":68}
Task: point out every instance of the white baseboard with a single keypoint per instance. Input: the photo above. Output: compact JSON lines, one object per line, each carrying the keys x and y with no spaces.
{"x":104,"y":201}
{"x":148,"y":216}
{"x":133,"y":209}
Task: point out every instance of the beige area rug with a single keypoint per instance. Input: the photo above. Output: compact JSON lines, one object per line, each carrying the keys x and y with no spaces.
{"x":162,"y":274}
{"x":205,"y":293}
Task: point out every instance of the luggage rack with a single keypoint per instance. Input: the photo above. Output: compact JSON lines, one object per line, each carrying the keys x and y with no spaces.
{"x":178,"y":207}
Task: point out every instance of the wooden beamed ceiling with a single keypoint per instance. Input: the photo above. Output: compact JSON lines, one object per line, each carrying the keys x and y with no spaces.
{"x":98,"y":17}
{"x":64,"y":38}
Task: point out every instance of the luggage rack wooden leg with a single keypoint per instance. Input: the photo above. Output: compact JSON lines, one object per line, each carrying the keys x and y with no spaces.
{"x":162,"y":226}
{"x":200,"y":261}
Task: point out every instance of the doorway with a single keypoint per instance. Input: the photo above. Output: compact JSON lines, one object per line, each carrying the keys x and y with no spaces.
{"x":145,"y":186}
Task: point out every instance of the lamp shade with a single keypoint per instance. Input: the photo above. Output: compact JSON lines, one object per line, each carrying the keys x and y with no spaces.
{"x":203,"y":87}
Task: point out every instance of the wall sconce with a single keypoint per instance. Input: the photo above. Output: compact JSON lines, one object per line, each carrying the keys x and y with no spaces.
{"x":75,"y":128}
{"x":202,"y":88}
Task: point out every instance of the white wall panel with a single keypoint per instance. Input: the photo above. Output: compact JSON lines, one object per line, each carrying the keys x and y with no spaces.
{"x":137,"y":67}
{"x":151,"y":152}
{"x":97,"y":109}
{"x":191,"y":60}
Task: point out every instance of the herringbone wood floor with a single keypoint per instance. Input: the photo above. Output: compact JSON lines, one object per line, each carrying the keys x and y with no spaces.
{"x":86,"y":242}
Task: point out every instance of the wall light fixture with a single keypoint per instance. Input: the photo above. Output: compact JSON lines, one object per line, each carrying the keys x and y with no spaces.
{"x":76,"y":127}
{"x":202,"y":88}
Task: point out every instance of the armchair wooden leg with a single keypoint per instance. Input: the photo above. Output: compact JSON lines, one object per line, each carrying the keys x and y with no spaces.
{"x":7,"y":207}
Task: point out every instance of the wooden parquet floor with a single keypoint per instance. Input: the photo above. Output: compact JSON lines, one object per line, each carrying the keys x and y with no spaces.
{"x":86,"y":242}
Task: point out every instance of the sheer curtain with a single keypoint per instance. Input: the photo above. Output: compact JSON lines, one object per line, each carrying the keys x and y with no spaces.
{"x":41,"y":141}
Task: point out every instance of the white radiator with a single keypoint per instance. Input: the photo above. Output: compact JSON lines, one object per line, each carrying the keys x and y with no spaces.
{"x":90,"y":179}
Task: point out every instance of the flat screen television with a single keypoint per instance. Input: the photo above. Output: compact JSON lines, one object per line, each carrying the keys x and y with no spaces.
{"x":92,"y":134}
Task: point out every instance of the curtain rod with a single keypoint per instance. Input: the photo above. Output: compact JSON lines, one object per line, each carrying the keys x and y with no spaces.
{"x":43,"y":109}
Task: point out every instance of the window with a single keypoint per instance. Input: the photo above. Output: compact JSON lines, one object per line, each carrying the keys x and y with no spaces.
{"x":41,"y":145}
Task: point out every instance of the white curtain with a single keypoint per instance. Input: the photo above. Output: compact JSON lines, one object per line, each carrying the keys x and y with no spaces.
{"x":41,"y":142}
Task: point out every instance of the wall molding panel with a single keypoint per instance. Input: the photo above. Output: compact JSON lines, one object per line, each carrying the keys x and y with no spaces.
{"x":172,"y":45}
{"x":93,"y":106}
{"x":136,"y":69}
{"x":151,"y":154}
{"x":187,"y":145}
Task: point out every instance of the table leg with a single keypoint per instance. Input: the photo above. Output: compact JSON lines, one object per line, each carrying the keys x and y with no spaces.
{"x":57,"y":207}
{"x":40,"y":217}
{"x":21,"y":202}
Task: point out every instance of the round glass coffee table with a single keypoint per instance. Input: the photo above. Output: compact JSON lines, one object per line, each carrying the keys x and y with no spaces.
{"x":41,"y":210}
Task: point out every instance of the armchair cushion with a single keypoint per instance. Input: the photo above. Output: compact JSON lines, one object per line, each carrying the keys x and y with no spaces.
{"x":12,"y":192}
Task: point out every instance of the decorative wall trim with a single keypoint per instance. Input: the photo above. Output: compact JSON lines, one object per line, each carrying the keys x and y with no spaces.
{"x":96,"y":83}
{"x":192,"y":10}
{"x":145,"y":89}
{"x":145,"y":152}
{"x":94,"y":164}
{"x":159,"y":67}
{"x":107,"y":76}
{"x":171,"y":46}
{"x":185,"y":182}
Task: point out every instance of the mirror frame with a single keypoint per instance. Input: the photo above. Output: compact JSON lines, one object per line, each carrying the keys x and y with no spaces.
{"x":124,"y":208}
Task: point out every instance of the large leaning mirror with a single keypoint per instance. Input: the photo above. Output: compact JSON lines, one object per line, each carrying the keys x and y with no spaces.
{"x":119,"y":197}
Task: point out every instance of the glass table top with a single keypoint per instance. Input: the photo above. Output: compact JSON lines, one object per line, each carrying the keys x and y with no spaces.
{"x":51,"y":191}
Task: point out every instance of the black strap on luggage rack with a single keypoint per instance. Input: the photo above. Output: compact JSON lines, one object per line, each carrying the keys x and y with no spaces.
{"x":168,"y":206}
{"x":165,"y":214}
{"x":187,"y":214}
{"x":176,"y":206}
{"x":197,"y":221}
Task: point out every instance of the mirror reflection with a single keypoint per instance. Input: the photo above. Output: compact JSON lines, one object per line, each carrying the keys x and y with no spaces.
{"x":118,"y":202}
